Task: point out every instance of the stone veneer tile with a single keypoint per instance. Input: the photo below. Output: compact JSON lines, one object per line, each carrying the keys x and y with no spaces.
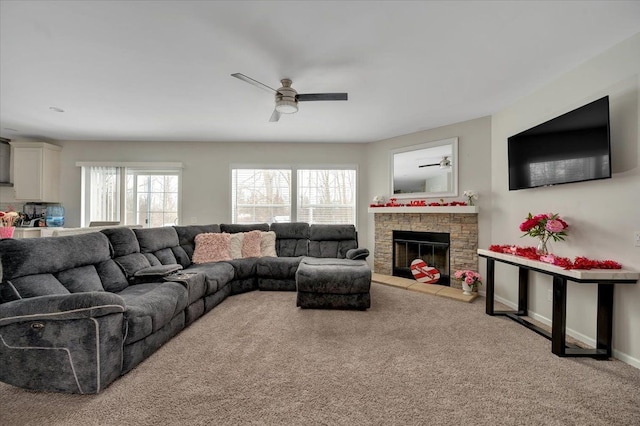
{"x":463,"y":230}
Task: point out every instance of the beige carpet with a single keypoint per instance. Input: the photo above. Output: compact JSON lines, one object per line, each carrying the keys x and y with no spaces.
{"x":410,"y":359}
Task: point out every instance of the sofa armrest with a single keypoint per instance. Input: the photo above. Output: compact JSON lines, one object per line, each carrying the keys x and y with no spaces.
{"x":61,"y":307}
{"x":357,"y":254}
{"x":62,"y":343}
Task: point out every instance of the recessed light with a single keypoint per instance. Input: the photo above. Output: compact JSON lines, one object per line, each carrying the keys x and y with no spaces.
{"x":56,"y":109}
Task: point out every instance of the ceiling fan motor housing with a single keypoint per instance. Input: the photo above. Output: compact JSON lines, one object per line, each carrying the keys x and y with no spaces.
{"x":286,"y":102}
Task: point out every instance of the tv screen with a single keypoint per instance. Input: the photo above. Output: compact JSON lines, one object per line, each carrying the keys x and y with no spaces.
{"x":573,"y":147}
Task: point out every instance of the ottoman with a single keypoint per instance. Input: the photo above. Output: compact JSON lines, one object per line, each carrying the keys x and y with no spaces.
{"x":324,"y":283}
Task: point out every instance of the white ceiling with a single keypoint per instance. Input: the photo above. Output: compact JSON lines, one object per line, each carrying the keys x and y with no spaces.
{"x":160,"y":70}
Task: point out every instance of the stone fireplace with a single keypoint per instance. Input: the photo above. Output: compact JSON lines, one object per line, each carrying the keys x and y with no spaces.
{"x":462,"y":228}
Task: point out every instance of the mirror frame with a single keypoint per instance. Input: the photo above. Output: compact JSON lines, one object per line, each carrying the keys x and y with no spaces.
{"x":425,"y":146}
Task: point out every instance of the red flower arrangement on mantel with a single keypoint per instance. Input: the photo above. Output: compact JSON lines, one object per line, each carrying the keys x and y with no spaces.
{"x":580,"y":262}
{"x":418,"y":203}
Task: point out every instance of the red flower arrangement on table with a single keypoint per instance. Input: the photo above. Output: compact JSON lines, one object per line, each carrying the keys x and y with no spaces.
{"x":418,"y":203}
{"x":545,"y":226}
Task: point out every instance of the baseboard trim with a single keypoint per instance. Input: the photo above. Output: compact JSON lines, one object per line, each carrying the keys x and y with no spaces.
{"x":619,"y":355}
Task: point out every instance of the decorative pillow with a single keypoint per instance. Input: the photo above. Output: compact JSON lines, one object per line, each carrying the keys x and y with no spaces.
{"x":268,"y":244}
{"x":211,"y":247}
{"x":251,"y":244}
{"x":235,"y":245}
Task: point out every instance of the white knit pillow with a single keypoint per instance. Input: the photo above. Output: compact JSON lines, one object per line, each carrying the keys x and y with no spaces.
{"x":268,"y":244}
{"x":235,"y":245}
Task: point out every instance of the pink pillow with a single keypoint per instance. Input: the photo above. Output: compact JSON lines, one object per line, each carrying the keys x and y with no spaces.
{"x":211,"y":247}
{"x":251,"y":244}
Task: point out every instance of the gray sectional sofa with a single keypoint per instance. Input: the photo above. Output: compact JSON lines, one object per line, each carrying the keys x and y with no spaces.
{"x":77,"y":312}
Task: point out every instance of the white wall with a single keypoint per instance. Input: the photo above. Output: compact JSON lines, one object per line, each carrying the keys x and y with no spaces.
{"x":474,"y":168}
{"x":206,"y":177}
{"x":602,"y":215}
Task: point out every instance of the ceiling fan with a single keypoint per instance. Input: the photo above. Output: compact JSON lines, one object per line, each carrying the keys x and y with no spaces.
{"x":444,"y":163}
{"x":287,"y":98}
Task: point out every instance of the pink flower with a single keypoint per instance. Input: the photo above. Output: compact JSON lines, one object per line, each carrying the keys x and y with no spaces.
{"x":469,"y":279}
{"x":554,"y":226}
{"x":458,"y":275}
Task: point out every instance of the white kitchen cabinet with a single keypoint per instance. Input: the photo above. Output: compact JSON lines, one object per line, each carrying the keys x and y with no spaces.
{"x":36,"y":171}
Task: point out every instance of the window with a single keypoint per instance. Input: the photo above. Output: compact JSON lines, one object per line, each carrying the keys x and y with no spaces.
{"x":261,"y":195}
{"x":327,"y":196}
{"x":265,"y":195}
{"x":144,"y":195}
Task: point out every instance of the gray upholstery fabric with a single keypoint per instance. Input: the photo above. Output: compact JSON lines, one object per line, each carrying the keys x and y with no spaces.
{"x":333,"y":284}
{"x":84,"y":278}
{"x":335,"y":276}
{"x":292,"y":239}
{"x":233,"y":228}
{"x":357,"y":254}
{"x":359,"y":301}
{"x":112,"y":276}
{"x":332,"y":241}
{"x":193,"y":311}
{"x":64,"y":343}
{"x":123,"y":241}
{"x":217,"y":275}
{"x":154,"y":239}
{"x":149,"y":307}
{"x":157,"y":271}
{"x":244,"y":268}
{"x":195,"y":283}
{"x":132,"y":263}
{"x":136,"y":352}
{"x":277,"y":267}
{"x":38,"y":285}
{"x":213,"y":300}
{"x":243,"y":285}
{"x":22,"y":257}
{"x":276,"y":284}
{"x":166,"y":256}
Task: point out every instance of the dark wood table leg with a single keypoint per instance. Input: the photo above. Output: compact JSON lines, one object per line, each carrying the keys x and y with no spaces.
{"x":604,"y":332}
{"x":491,"y":268}
{"x":523,"y":291}
{"x":559,"y":316}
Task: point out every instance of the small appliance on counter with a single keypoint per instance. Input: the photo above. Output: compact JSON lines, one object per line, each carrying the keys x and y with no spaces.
{"x":41,"y":214}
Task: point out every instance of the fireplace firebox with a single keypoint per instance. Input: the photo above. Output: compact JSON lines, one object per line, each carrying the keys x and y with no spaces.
{"x":432,"y":247}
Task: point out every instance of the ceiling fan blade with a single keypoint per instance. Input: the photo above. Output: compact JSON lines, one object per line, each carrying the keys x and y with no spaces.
{"x":254,"y":82}
{"x":275,"y":116}
{"x":301,"y":97}
{"x":429,"y":165}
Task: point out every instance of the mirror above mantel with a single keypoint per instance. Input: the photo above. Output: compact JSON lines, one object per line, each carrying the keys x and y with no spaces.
{"x":429,"y":170}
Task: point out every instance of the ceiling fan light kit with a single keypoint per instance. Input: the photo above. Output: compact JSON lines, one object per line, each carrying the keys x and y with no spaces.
{"x":286,"y":97}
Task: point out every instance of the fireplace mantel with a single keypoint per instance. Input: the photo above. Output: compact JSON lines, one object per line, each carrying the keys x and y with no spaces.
{"x":426,"y":209}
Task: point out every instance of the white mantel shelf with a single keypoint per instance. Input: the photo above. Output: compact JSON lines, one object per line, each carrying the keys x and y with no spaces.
{"x":426,"y":209}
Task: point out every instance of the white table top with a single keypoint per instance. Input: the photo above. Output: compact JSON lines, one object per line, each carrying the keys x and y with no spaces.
{"x":580,"y":274}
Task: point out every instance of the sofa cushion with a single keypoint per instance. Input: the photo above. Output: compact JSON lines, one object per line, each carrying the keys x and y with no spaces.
{"x":244,"y":268}
{"x":332,"y":241}
{"x":218,"y":275}
{"x":22,"y":257}
{"x":36,"y":285}
{"x":84,"y":278}
{"x":233,"y":228}
{"x":151,"y":306}
{"x":292,"y":239}
{"x":211,"y":247}
{"x":277,"y":267}
{"x":235,"y":245}
{"x":132,"y":263}
{"x":112,"y":276}
{"x":154,"y":239}
{"x":123,"y":241}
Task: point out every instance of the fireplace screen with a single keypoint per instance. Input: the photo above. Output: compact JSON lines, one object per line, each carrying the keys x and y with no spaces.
{"x":432,"y":247}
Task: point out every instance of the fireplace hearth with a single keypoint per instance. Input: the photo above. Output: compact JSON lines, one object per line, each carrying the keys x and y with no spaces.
{"x":431,"y":247}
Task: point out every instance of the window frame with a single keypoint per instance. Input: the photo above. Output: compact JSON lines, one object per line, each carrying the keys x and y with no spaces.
{"x":294,"y":168}
{"x":171,"y":167}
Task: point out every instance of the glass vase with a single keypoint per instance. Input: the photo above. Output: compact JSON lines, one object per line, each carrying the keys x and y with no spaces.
{"x":544,"y":245}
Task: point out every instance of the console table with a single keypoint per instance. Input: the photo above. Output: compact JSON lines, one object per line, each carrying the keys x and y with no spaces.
{"x":604,"y":278}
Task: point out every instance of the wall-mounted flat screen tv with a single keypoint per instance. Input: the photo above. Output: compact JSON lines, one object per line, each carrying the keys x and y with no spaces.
{"x":573,"y":147}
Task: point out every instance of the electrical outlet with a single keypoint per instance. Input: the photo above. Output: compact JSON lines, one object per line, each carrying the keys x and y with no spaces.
{"x":637,"y":238}
{"x":550,"y":295}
